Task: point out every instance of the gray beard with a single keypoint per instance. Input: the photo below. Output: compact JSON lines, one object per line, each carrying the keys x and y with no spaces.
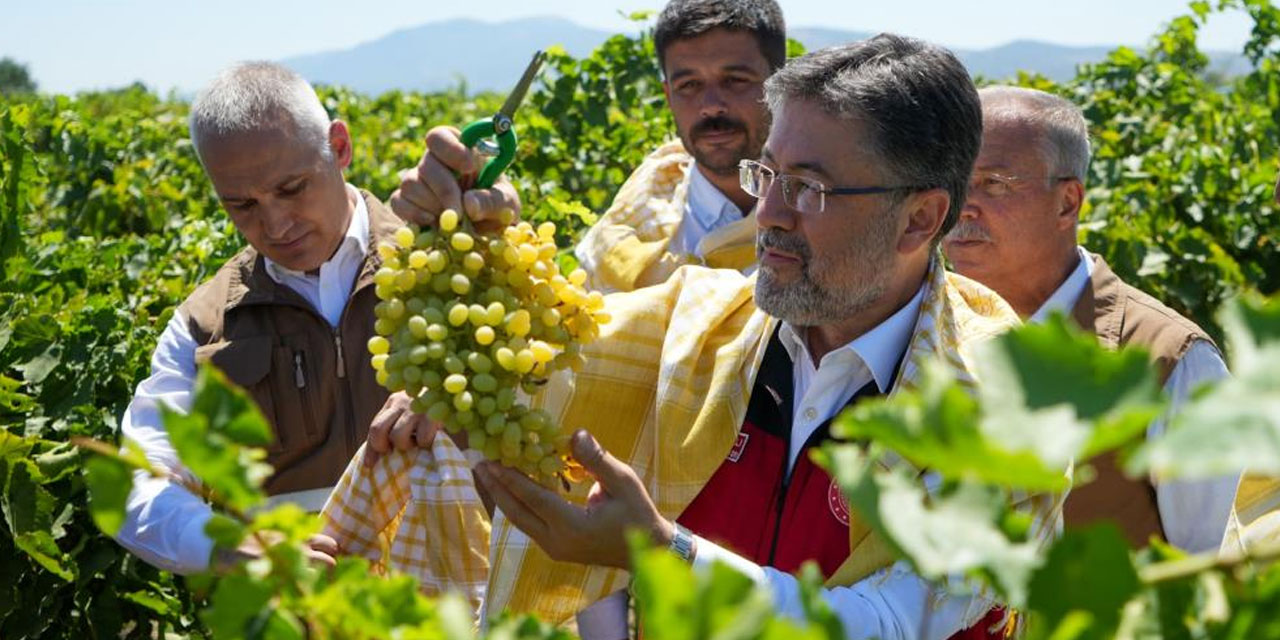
{"x":809,"y":302}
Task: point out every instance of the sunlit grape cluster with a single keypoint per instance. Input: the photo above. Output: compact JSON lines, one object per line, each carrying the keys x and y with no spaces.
{"x":466,"y":320}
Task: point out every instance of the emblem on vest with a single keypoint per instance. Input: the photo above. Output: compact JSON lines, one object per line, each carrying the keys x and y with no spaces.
{"x":739,"y":446}
{"x":839,"y":506}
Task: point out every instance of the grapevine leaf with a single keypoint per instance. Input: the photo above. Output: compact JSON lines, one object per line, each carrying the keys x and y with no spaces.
{"x":1235,"y":424}
{"x":957,"y":531}
{"x":1086,"y":570}
{"x":209,"y":440}
{"x":109,"y":481}
{"x":937,"y":426}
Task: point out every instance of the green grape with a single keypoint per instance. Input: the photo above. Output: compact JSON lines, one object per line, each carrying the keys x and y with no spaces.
{"x":476,"y":439}
{"x":438,"y":411}
{"x":485,"y":335}
{"x":453,"y":364}
{"x":463,"y":401}
{"x":462,"y":241}
{"x":495,"y":424}
{"x":477,"y":315}
{"x":484,"y":383}
{"x":455,"y":382}
{"x":458,"y":314}
{"x":479,"y":363}
{"x":431,"y":379}
{"x":417,"y":326}
{"x":379,"y":345}
{"x":473,"y":261}
{"x":418,"y":354}
{"x":436,"y":332}
{"x":411,"y":373}
{"x":486,"y":405}
{"x":460,"y":283}
{"x":437,"y":350}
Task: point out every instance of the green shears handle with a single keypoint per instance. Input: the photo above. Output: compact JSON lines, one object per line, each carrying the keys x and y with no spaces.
{"x":478,"y":133}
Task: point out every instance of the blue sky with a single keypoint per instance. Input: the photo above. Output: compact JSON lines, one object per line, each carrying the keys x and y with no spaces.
{"x":71,"y":45}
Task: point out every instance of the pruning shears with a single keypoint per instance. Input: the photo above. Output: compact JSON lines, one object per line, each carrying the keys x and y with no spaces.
{"x":495,"y":136}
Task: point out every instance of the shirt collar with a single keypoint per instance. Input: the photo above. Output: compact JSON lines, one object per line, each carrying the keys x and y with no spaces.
{"x":356,"y":240}
{"x":707,"y":202}
{"x":1068,"y":293}
{"x":880,"y":349}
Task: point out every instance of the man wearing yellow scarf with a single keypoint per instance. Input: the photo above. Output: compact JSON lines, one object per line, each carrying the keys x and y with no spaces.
{"x":706,"y":391}
{"x":684,"y":205}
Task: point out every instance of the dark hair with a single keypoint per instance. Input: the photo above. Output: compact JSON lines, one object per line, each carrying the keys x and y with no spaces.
{"x":917,"y":99}
{"x":682,"y":19}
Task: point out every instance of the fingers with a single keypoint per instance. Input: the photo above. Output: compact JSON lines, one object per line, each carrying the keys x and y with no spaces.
{"x":320,"y":558}
{"x":403,"y":431}
{"x":414,"y":201}
{"x":380,"y":429}
{"x":323,"y":543}
{"x":525,"y":518}
{"x":445,"y":144}
{"x":615,"y":477}
{"x":425,"y":432}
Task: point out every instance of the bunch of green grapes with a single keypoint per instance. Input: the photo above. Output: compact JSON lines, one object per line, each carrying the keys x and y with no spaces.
{"x":467,"y":320}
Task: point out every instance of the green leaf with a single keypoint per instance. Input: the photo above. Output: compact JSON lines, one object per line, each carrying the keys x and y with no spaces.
{"x":1086,"y":570}
{"x":1236,"y":424}
{"x":937,"y":427}
{"x":1043,"y":386}
{"x":237,"y":600}
{"x":956,"y":531}
{"x":109,"y":481}
{"x":211,"y":440}
{"x":225,"y":532}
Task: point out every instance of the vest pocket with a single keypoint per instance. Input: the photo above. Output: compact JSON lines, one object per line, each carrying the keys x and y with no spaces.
{"x":247,"y":363}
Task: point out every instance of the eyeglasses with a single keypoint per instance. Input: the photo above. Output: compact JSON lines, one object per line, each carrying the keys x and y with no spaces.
{"x":802,"y":194}
{"x":998,"y":185}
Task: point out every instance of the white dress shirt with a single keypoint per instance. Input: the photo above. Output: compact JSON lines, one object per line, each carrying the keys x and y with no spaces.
{"x":164,"y":522}
{"x":706,"y":209}
{"x":1193,"y":513}
{"x":889,"y":603}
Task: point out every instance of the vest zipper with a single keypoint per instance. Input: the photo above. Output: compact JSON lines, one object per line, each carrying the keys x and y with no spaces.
{"x":299,"y":377}
{"x":337,"y":344}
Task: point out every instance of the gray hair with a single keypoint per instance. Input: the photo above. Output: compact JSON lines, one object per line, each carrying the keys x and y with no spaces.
{"x":1061,"y":123}
{"x":253,"y":96}
{"x":916,"y":98}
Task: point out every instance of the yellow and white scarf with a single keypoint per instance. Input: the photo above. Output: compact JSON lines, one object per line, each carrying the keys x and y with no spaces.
{"x":629,"y":247}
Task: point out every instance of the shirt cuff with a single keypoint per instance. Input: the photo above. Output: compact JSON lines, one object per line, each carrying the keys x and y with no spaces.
{"x":709,"y":552}
{"x":605,"y":619}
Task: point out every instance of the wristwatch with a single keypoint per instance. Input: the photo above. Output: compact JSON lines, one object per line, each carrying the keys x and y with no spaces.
{"x":682,"y":543}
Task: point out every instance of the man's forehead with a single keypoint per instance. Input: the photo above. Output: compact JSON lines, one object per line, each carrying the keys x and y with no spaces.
{"x":717,"y":49}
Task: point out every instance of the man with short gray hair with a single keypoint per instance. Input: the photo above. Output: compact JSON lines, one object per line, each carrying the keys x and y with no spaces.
{"x":287,"y":318}
{"x":1017,"y":235}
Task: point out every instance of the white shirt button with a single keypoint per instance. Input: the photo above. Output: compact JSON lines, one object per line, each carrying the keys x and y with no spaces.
{"x":810,"y":413}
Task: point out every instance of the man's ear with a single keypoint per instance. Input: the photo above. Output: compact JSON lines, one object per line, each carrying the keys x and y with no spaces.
{"x":926,"y":211}
{"x":340,"y":143}
{"x":1070,"y":199}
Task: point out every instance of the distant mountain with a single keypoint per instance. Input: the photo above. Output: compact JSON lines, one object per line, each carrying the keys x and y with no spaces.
{"x":440,"y":55}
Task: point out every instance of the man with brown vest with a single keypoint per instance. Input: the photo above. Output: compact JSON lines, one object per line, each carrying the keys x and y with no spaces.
{"x":287,"y":318}
{"x":1017,"y":235}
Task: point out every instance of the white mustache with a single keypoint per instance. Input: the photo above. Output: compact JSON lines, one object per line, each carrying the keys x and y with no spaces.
{"x":968,"y":230}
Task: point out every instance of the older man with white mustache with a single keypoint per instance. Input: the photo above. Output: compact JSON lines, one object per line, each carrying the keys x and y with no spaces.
{"x":1017,"y":235}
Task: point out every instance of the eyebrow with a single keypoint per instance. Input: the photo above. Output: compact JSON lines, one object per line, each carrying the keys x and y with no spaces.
{"x":293,"y":177}
{"x":732,"y":68}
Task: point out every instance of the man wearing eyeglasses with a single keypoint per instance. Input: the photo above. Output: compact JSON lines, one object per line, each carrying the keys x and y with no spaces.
{"x":706,"y":392}
{"x":1017,"y":235}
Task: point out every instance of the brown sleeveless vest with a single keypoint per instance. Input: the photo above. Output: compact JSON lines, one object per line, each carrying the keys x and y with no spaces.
{"x":312,"y":382}
{"x":1122,"y":315}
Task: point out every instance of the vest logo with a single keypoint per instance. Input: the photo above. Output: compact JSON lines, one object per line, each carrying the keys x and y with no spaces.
{"x":836,"y":502}
{"x":739,"y":446}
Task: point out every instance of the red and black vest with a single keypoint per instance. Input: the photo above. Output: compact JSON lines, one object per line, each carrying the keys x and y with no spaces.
{"x":754,"y":508}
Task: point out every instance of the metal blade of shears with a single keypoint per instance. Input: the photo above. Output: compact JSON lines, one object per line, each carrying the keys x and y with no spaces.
{"x":517,"y":94}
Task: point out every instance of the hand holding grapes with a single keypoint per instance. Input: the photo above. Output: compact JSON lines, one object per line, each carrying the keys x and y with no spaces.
{"x":441,"y":181}
{"x":594,"y":533}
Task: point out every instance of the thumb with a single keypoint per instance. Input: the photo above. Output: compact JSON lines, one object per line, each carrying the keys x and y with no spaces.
{"x":615,"y":477}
